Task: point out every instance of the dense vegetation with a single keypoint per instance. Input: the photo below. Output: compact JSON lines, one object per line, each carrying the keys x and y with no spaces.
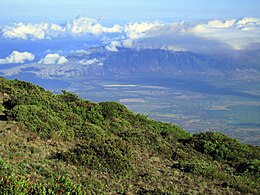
{"x":58,"y":144}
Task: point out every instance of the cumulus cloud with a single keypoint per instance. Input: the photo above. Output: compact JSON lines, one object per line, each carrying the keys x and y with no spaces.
{"x":79,"y":26}
{"x":53,"y":59}
{"x":238,"y":34}
{"x":181,"y":42}
{"x":32,"y":31}
{"x":89,"y":61}
{"x":177,"y":38}
{"x":17,"y":57}
{"x":22,"y":31}
{"x":137,"y":30}
{"x":113,"y":46}
{"x":87,"y":25}
{"x":221,"y":24}
{"x":212,"y":36}
{"x":221,"y":35}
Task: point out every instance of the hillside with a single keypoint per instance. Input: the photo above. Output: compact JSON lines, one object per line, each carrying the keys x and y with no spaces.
{"x":56,"y":144}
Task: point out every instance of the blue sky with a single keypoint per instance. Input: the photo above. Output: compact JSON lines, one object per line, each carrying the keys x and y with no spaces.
{"x":193,"y":25}
{"x":126,"y":10}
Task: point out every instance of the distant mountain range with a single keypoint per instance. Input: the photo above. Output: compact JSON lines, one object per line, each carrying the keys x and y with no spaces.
{"x":146,"y":61}
{"x":101,"y":62}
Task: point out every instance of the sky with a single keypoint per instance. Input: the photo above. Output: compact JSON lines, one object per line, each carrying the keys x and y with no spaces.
{"x":31,"y":29}
{"x":126,"y":10}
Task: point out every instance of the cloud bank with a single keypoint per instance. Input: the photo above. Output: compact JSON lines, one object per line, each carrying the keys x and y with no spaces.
{"x":53,"y":59}
{"x":77,"y":27}
{"x":32,"y":32}
{"x":238,"y":34}
{"x":214,"y":35}
{"x":17,"y":57}
{"x":83,"y":25}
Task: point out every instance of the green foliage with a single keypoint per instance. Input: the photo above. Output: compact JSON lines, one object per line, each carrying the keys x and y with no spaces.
{"x":111,"y":110}
{"x":223,"y":148}
{"x":94,"y":116}
{"x":198,"y":167}
{"x":41,"y":120}
{"x":64,"y":115}
{"x":5,"y":169}
{"x":109,"y":149}
{"x":11,"y":184}
{"x":243,"y":158}
{"x":56,"y":185}
{"x":250,"y":167}
{"x":169,"y":130}
{"x":105,"y":154}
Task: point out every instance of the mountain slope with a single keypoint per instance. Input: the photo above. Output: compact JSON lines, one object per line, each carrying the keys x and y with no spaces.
{"x":147,"y":61}
{"x":98,"y":62}
{"x":61,"y":143}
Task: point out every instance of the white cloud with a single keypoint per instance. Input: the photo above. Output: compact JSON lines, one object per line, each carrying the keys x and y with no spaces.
{"x":62,"y":60}
{"x":80,"y":52}
{"x":128,"y":43}
{"x":79,"y":26}
{"x":230,"y":34}
{"x":17,"y":57}
{"x":22,"y":31}
{"x":237,"y":34}
{"x":221,"y":24}
{"x":137,"y":30}
{"x":89,"y":62}
{"x":87,"y":25}
{"x":211,"y":36}
{"x":113,"y":46}
{"x":248,"y":21}
{"x":53,"y":59}
{"x":32,"y":31}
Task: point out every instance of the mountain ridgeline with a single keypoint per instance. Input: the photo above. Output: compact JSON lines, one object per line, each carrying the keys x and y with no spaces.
{"x":62,"y":144}
{"x":147,"y":61}
{"x":98,"y":62}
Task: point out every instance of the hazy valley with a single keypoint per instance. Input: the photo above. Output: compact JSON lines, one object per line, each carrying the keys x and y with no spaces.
{"x":198,"y":92}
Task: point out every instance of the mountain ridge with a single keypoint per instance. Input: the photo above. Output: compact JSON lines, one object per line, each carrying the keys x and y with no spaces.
{"x":145,"y":61}
{"x":100,"y":62}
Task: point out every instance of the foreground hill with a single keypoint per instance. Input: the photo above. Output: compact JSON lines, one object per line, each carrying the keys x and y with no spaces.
{"x":56,"y":144}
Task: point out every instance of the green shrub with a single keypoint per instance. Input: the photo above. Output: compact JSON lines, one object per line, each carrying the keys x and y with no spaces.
{"x":110,"y":110}
{"x":106,"y":154}
{"x":56,"y":185}
{"x":224,"y":148}
{"x":107,"y":137}
{"x":5,"y":169}
{"x":250,"y":167}
{"x":41,"y":120}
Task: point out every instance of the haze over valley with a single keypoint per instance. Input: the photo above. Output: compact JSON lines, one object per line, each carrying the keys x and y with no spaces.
{"x":199,"y":75}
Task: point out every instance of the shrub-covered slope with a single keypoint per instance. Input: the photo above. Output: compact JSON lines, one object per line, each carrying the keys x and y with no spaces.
{"x":62,"y":143}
